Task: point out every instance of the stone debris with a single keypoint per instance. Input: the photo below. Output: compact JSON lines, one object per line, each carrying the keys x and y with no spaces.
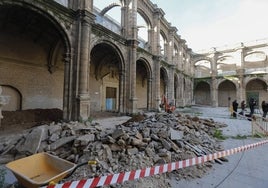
{"x":154,"y":139}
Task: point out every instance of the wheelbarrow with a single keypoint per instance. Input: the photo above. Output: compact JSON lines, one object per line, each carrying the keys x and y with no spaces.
{"x":42,"y":169}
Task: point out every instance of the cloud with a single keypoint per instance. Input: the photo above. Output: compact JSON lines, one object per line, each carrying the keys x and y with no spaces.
{"x":247,"y":23}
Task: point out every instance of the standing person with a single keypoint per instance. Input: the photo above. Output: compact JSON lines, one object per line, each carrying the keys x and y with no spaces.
{"x":252,"y":104}
{"x":264,"y":107}
{"x":243,"y":106}
{"x":235,"y":106}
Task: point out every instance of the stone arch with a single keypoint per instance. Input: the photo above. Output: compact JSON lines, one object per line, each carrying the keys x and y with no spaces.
{"x":202,"y":93}
{"x":115,"y":47}
{"x":226,"y":93}
{"x":145,"y":17}
{"x":143,"y":84}
{"x":109,"y":7}
{"x":256,"y":88}
{"x":15,"y":102}
{"x":221,"y":59}
{"x":163,"y":43}
{"x":255,"y":52}
{"x":49,"y":15}
{"x":200,"y":58}
{"x":202,"y":67}
{"x":144,"y":26}
{"x":146,"y":12}
{"x":107,"y":77}
{"x":42,"y":27}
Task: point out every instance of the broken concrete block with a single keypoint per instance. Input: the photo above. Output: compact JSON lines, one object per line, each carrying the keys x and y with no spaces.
{"x":61,"y":142}
{"x":32,"y":141}
{"x":176,"y":135}
{"x":85,"y":139}
{"x":117,"y":133}
{"x":132,"y":151}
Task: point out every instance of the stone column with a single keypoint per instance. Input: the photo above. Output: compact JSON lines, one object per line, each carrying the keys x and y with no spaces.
{"x":172,"y":32}
{"x":240,"y":71}
{"x":156,"y":50}
{"x":122,"y":92}
{"x":67,"y":91}
{"x":241,"y":95}
{"x":84,"y":68}
{"x":150,"y":39}
{"x":124,"y":12}
{"x":149,"y":94}
{"x":156,"y":89}
{"x":132,"y":51}
{"x":214,"y":91}
{"x":182,"y":91}
{"x":171,"y":85}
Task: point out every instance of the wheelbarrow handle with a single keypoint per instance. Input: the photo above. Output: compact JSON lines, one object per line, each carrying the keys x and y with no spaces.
{"x":79,"y":165}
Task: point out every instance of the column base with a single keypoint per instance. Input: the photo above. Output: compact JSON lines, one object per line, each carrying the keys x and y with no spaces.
{"x":84,"y":107}
{"x":180,"y":103}
{"x":133,"y":106}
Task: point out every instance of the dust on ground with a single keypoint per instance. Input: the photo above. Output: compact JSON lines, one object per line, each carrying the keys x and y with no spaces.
{"x":16,"y":121}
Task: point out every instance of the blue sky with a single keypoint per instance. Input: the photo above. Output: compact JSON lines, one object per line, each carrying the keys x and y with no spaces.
{"x":213,"y":23}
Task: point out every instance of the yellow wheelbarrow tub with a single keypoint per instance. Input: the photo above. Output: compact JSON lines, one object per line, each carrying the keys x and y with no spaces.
{"x":40,"y":169}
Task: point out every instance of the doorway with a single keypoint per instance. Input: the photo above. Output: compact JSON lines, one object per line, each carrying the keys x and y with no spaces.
{"x":110,"y":98}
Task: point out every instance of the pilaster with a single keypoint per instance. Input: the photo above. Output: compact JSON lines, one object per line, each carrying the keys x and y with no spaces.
{"x":67,"y":91}
{"x":156,"y":88}
{"x":83,"y":98}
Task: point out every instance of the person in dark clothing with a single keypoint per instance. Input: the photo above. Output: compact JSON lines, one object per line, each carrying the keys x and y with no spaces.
{"x":243,"y":107}
{"x":252,"y":104}
{"x":235,"y":106}
{"x":264,"y":106}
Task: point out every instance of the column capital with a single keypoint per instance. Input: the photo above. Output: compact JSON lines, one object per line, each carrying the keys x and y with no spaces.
{"x":85,"y":16}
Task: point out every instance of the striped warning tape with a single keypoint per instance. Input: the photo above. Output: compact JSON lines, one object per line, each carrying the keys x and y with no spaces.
{"x":137,"y":174}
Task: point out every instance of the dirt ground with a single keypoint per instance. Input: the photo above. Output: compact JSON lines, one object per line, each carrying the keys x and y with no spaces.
{"x":14,"y":121}
{"x":24,"y":119}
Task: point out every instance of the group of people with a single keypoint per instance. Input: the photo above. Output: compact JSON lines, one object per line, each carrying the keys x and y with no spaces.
{"x":252,"y":104}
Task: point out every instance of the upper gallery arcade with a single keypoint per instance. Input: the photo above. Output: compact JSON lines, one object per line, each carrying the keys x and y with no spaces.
{"x":68,"y":54}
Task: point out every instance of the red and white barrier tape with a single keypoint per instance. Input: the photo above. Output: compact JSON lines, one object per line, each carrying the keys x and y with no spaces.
{"x":136,"y":174}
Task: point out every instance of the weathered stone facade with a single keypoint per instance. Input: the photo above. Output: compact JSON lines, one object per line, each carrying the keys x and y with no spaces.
{"x":65,"y":56}
{"x":238,"y":72}
{"x":70,"y":55}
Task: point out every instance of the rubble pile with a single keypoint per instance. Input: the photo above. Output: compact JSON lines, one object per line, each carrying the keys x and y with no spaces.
{"x":156,"y":139}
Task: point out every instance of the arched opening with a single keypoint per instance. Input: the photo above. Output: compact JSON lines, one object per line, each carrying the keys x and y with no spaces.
{"x":227,"y":93}
{"x":144,"y":30}
{"x":257,"y":89}
{"x":163,"y":43}
{"x":142,"y":85}
{"x":31,"y":58}
{"x":202,"y":94}
{"x":15,"y":98}
{"x":202,"y":68}
{"x":105,"y":78}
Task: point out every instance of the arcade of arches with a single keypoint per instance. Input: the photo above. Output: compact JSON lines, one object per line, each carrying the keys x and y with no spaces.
{"x":71,"y":56}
